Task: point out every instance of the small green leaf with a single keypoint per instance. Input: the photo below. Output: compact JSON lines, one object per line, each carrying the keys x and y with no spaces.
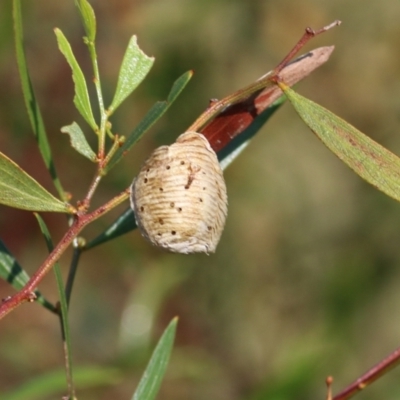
{"x":78,"y":141}
{"x":12,"y":272}
{"x":368,"y":159}
{"x":153,"y":375}
{"x":81,"y":98}
{"x":32,"y":106}
{"x":135,"y":66}
{"x":88,"y":18}
{"x":152,"y":116}
{"x":20,"y":190}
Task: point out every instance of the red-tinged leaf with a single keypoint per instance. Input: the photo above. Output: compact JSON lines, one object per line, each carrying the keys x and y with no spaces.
{"x":368,"y":159}
{"x":233,"y":114}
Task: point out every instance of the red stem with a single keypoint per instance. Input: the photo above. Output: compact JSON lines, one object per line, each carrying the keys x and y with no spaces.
{"x":308,"y":34}
{"x":370,"y":376}
{"x":81,"y":220}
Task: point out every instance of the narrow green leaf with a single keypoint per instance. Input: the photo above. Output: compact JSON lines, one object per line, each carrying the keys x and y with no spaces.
{"x":10,"y":270}
{"x":78,"y":141}
{"x":153,"y":375}
{"x":152,"y":116}
{"x":368,"y":159}
{"x":81,"y":98}
{"x":88,"y":18}
{"x":63,"y":304}
{"x":135,"y":66}
{"x":32,"y":106}
{"x":52,"y":383}
{"x":20,"y":190}
{"x":13,"y":273}
{"x":123,"y":224}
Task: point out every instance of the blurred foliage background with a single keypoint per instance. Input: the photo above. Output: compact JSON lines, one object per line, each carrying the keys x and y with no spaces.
{"x":305,"y":282}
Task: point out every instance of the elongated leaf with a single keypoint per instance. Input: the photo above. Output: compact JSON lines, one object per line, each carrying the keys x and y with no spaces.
{"x":12,"y":272}
{"x":78,"y":141}
{"x":88,"y":18}
{"x":51,"y":383}
{"x":368,"y":159}
{"x":20,"y":190}
{"x":32,"y":106}
{"x":135,"y":66}
{"x":81,"y":98}
{"x":152,"y":116}
{"x":235,"y":112}
{"x":63,"y":304}
{"x":153,"y":375}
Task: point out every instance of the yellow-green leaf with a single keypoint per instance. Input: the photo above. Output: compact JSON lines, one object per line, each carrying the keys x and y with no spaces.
{"x":78,"y":141}
{"x":135,"y":66}
{"x":81,"y":98}
{"x":368,"y":159}
{"x":20,"y":190}
{"x":88,"y":18}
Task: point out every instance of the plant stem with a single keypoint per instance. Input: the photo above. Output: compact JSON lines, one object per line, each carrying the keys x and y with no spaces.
{"x":81,"y":220}
{"x":216,"y":107}
{"x":370,"y":376}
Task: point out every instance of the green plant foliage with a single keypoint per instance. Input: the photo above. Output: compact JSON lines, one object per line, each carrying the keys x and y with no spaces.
{"x":152,"y":116}
{"x":13,"y":273}
{"x":81,"y":98}
{"x":134,"y":68}
{"x":365,"y":157}
{"x":88,"y":18}
{"x":78,"y":141}
{"x":32,"y":106}
{"x":153,"y":375}
{"x":63,"y":306}
{"x":20,"y":190}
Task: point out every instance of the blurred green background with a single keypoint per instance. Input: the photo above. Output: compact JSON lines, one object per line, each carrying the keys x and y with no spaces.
{"x":305,"y":281}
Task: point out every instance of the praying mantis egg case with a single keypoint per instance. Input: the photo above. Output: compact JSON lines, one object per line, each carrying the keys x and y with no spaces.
{"x":179,"y":196}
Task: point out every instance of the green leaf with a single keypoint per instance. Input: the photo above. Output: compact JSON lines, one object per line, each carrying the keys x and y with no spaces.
{"x":368,"y":159}
{"x":12,"y":272}
{"x":63,"y":304}
{"x":52,"y":383}
{"x":123,"y":224}
{"x":152,"y":116}
{"x":78,"y":141}
{"x":153,"y":375}
{"x":88,"y":18}
{"x":135,"y":66}
{"x":81,"y":98}
{"x":19,"y":190}
{"x":32,"y":106}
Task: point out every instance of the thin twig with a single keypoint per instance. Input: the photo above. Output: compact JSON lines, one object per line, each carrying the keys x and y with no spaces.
{"x":370,"y":376}
{"x":27,"y":294}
